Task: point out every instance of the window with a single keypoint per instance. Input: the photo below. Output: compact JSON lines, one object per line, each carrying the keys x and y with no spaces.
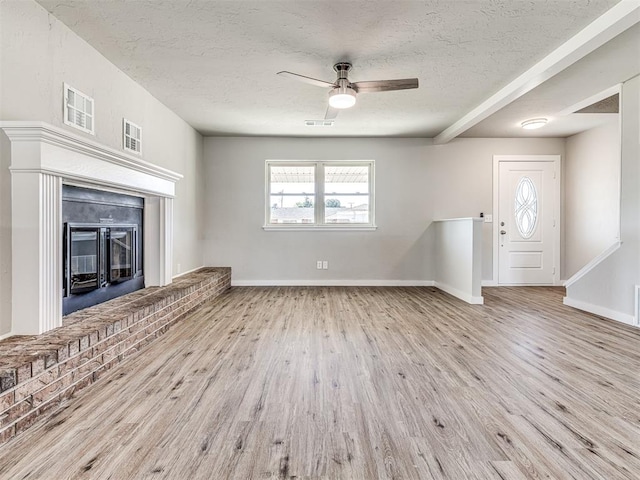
{"x":131,"y":136}
{"x":78,"y":110}
{"x":320,"y":195}
{"x":526,"y":207}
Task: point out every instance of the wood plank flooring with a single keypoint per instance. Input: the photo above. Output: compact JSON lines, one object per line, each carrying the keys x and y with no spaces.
{"x":357,"y":383}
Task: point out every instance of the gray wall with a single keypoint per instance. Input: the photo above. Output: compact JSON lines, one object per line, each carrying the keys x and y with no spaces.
{"x":610,"y":286}
{"x":592,"y":194}
{"x":37,"y":54}
{"x":416,"y":182}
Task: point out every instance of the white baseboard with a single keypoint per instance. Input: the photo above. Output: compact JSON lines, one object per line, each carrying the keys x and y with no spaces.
{"x":6,"y":335}
{"x":332,"y":283}
{"x":492,"y":283}
{"x":599,"y":310}
{"x":592,"y":264}
{"x":637,"y":311}
{"x":460,"y":294}
{"x":187,"y":272}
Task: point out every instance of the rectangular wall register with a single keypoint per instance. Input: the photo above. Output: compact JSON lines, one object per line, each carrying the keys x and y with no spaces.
{"x":37,"y":372}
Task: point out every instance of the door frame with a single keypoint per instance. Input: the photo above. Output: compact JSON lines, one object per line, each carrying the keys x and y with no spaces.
{"x":556,"y":159}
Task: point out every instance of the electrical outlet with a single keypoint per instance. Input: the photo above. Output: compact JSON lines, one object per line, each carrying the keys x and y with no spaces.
{"x":325,"y":265}
{"x":319,"y":264}
{"x":488,"y":219}
{"x":178,"y":268}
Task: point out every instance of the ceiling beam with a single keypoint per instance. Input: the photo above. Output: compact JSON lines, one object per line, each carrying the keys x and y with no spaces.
{"x":615,"y":21}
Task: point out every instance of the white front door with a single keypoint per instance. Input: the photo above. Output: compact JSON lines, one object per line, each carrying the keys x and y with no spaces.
{"x":527,"y":224}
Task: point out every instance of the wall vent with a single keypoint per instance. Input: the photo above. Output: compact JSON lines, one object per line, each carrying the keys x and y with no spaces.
{"x":79,"y":110}
{"x":131,"y":136}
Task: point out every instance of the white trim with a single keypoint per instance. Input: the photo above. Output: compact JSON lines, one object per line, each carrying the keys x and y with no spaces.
{"x":489,"y":283}
{"x":318,"y":224}
{"x":459,"y":294}
{"x":332,"y":283}
{"x":6,"y":335}
{"x":43,"y":157}
{"x":637,"y":310}
{"x":557,"y":159}
{"x":295,"y":227}
{"x":600,"y":311}
{"x":475,"y":219}
{"x":592,"y":264}
{"x":188,"y":272}
{"x":19,"y":131}
{"x":609,"y":25}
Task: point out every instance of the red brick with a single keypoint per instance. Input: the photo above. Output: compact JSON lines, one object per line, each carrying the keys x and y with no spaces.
{"x":18,"y":410}
{"x":37,"y":367}
{"x":84,"y":342}
{"x":74,"y":347}
{"x":24,"y":373}
{"x":7,"y":400}
{"x":7,"y":434}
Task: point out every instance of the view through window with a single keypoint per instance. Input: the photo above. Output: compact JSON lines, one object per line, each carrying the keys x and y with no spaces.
{"x":320,"y":193}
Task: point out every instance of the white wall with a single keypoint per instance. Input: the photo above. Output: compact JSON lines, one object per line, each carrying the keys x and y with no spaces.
{"x":592,"y":194}
{"x":609,"y":288}
{"x":38,"y":53}
{"x":458,"y":258}
{"x":416,"y":182}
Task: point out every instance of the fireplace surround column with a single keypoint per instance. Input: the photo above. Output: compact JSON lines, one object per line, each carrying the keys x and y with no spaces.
{"x":43,"y":157}
{"x":36,"y":209}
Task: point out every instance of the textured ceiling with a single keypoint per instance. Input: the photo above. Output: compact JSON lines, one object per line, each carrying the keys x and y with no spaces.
{"x":611,"y":64}
{"x":214,"y":62}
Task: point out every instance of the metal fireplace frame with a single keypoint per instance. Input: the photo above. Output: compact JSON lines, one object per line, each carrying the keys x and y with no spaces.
{"x":103,"y":254}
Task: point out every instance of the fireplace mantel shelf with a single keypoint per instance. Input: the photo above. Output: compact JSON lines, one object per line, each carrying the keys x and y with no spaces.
{"x":112,"y":167}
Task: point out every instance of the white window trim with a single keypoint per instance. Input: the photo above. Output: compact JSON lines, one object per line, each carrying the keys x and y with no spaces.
{"x":124,"y":136}
{"x":65,"y":99}
{"x":318,"y":224}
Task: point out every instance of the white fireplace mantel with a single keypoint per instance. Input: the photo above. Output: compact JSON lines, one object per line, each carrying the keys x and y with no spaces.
{"x":43,"y":157}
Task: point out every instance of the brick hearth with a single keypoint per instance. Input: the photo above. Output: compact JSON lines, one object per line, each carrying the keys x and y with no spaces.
{"x":38,"y":372}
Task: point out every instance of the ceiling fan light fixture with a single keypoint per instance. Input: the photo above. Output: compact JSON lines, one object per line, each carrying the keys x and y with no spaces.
{"x":342,"y":97}
{"x":534,"y":123}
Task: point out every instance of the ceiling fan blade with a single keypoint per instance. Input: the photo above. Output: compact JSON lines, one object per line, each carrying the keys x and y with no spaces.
{"x":385,"y":85}
{"x":302,"y":78}
{"x":331,"y":113}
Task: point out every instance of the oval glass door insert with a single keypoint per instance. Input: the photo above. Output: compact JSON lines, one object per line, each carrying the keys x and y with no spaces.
{"x":526,"y":207}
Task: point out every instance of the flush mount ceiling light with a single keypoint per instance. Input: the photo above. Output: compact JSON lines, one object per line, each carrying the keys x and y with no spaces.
{"x":342,"y":97}
{"x":534,"y":123}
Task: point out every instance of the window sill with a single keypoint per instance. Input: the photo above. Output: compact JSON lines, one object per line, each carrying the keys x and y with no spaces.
{"x":319,"y":228}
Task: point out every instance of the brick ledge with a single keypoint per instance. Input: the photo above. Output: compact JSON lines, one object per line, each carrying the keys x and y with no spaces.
{"x":38,"y":372}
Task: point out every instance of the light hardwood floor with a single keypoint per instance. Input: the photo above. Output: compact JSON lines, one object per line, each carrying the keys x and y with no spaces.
{"x":357,"y":383}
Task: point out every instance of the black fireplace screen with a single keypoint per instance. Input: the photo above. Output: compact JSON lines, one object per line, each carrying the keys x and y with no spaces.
{"x":98,"y":255}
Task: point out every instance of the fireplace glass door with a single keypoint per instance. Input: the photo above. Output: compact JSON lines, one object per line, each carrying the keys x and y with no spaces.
{"x":84,"y":256}
{"x":121,"y":253}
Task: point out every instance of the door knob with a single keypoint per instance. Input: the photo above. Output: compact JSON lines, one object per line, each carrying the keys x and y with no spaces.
{"x":502,"y":232}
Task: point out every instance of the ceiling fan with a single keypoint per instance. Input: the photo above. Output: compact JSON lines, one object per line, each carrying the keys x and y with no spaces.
{"x":343,"y":92}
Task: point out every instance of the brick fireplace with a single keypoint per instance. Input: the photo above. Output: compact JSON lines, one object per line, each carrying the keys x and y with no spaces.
{"x":43,"y":159}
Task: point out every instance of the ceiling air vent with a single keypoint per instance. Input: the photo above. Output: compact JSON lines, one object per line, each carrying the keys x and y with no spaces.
{"x":78,"y":110}
{"x":319,"y":123}
{"x":131,"y":136}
